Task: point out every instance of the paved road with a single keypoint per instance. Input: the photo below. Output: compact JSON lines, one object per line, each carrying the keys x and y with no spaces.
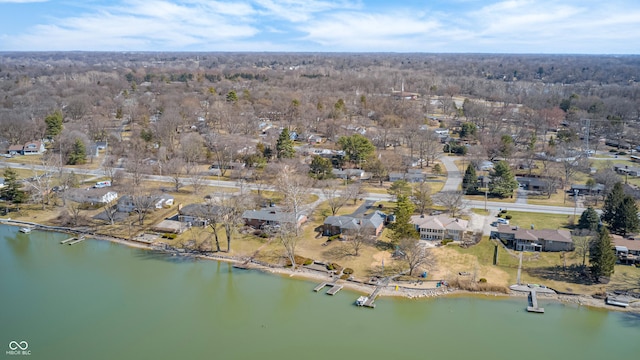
{"x":453,"y":181}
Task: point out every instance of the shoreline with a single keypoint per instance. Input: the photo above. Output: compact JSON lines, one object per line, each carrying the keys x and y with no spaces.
{"x":392,"y":290}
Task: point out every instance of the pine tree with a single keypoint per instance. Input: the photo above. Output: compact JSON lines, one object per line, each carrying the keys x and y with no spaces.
{"x":470,"y":181}
{"x":320,"y":168}
{"x":402,"y":227}
{"x":626,"y":220}
{"x":589,"y":220}
{"x":11,"y":190}
{"x":503,"y":182}
{"x":54,"y":123}
{"x":78,"y":153}
{"x":612,"y":203}
{"x":602,"y":257}
{"x":284,"y":145}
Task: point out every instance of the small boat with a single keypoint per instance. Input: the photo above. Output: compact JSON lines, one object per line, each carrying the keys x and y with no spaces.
{"x":25,"y":230}
{"x":361,"y":300}
{"x":617,"y":301}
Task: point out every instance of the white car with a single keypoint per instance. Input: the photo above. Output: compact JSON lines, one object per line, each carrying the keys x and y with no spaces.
{"x":502,"y":221}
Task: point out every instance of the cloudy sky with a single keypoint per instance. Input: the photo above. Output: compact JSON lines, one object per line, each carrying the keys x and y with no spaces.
{"x":486,"y":26}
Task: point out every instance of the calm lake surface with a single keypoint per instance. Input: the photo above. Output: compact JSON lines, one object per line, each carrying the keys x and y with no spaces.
{"x":98,"y":300}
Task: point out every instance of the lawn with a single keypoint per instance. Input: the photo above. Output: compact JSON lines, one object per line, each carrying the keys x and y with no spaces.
{"x":553,"y":269}
{"x":539,"y":220}
{"x":556,"y":199}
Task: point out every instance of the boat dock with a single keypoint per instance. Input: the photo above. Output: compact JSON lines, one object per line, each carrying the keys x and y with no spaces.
{"x":369,"y":301}
{"x":334,"y":287}
{"x":81,"y":238}
{"x":67,"y":240}
{"x":533,"y":300}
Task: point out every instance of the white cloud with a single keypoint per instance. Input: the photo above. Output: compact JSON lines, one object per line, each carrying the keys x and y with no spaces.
{"x":585,"y":26}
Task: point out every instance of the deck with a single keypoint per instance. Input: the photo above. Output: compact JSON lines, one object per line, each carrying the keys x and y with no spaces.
{"x":533,"y":300}
{"x":334,"y":287}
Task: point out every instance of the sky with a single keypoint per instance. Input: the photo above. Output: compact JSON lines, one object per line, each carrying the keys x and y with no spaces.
{"x":430,"y":26}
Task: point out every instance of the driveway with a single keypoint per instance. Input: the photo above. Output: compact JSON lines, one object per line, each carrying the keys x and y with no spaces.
{"x":454,"y":177}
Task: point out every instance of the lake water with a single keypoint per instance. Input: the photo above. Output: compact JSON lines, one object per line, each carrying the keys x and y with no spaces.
{"x":98,"y":300}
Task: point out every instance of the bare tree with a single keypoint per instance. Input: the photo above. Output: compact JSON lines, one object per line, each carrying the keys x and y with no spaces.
{"x":294,"y":187}
{"x":582,"y":243}
{"x":110,"y":211}
{"x":196,"y":178}
{"x":452,"y":201}
{"x":231,"y":210}
{"x":175,"y":168}
{"x":289,"y":239}
{"x":357,"y":239}
{"x":422,"y":197}
{"x":415,"y":255}
{"x":353,"y":191}
{"x":211,"y":212}
{"x":143,"y":204}
{"x":334,"y":197}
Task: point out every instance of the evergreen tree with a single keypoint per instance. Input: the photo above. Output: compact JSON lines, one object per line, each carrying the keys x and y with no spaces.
{"x":232,"y":96}
{"x":284,"y":145}
{"x":402,"y":227}
{"x":626,"y":220}
{"x":468,"y":129}
{"x":399,"y":187}
{"x":320,"y":168}
{"x":356,"y":147}
{"x":602,"y":257}
{"x":54,"y":124}
{"x":470,"y":181}
{"x":78,"y":153}
{"x":503,"y":182}
{"x":612,"y":203}
{"x":589,"y":220}
{"x":11,"y":190}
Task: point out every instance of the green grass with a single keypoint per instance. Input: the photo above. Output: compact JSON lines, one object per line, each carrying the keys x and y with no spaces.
{"x":539,"y":220}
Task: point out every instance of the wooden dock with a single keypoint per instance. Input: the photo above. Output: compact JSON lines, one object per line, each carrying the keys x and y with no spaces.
{"x":372,"y":297}
{"x":533,"y":300}
{"x":81,"y":238}
{"x":334,"y":287}
{"x":67,"y":240}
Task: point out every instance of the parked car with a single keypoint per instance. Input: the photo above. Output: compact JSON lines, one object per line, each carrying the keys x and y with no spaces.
{"x":502,"y":221}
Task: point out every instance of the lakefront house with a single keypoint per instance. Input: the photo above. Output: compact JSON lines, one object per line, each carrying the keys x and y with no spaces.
{"x":521,"y":239}
{"x":439,"y":227}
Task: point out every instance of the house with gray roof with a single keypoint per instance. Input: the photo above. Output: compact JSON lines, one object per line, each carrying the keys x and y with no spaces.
{"x":370,"y":224}
{"x":439,"y":227}
{"x":271,"y":217}
{"x":534,"y":240}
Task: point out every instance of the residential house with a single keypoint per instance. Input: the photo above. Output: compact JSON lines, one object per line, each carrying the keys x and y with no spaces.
{"x":29,"y":148}
{"x":352,"y":174}
{"x":92,"y":196}
{"x":439,"y":227}
{"x":369,"y":224}
{"x":126,"y":203}
{"x":412,"y":175}
{"x":627,"y":250}
{"x":534,"y":240}
{"x":271,"y":217}
{"x":627,"y":170}
{"x":537,"y":183}
{"x":583,"y":189}
{"x":33,"y":148}
{"x":195,"y":214}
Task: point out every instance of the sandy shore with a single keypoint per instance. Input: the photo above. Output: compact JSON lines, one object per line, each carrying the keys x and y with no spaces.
{"x":425,"y":289}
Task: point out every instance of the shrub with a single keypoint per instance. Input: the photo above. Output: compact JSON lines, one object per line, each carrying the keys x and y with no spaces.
{"x":483,"y":280}
{"x":446,"y":241}
{"x":300,"y":260}
{"x":500,"y":215}
{"x":344,"y":276}
{"x":621,"y":153}
{"x":503,"y":211}
{"x":169,"y":236}
{"x":334,"y":267}
{"x":508,"y":217}
{"x":333,"y":237}
{"x":348,"y":271}
{"x":613,"y":150}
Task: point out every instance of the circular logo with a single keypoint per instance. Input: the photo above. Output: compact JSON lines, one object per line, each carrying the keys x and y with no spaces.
{"x":22,"y":345}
